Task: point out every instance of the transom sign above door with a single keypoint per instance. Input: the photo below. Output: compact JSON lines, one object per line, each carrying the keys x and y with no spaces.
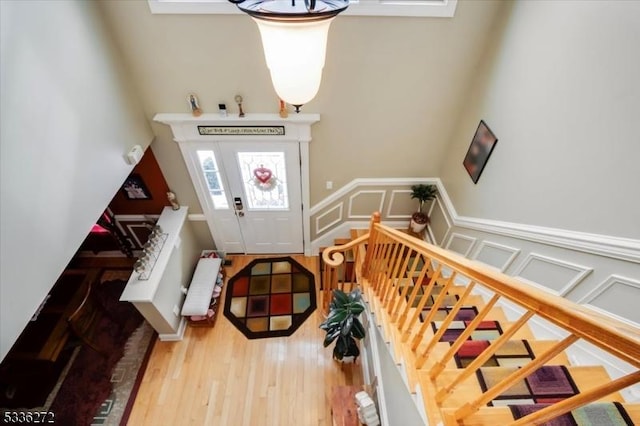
{"x":251,"y":176}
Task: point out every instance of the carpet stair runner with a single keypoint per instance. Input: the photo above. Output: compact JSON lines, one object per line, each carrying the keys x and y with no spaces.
{"x":555,"y":381}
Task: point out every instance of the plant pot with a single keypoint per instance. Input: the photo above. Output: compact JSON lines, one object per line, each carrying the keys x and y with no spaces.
{"x":419,"y":221}
{"x":350,"y":359}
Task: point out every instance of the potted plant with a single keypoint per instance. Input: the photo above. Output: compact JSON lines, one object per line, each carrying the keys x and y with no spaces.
{"x":343,"y":326}
{"x":422,"y":193}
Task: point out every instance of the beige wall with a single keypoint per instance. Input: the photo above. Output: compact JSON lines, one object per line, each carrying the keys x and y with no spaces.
{"x":560,"y":89}
{"x":68,"y":119}
{"x":390,"y":91}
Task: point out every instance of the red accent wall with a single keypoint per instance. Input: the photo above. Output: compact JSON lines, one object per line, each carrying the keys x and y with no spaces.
{"x":149,"y":170}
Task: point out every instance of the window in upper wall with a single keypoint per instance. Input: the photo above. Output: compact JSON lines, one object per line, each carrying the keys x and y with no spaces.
{"x":427,"y":8}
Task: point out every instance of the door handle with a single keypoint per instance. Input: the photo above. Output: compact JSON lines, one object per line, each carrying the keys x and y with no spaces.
{"x":237,"y":202}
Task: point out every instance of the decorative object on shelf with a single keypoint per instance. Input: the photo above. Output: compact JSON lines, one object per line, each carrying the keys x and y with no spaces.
{"x":173,"y":200}
{"x":264,"y":179}
{"x":238,"y":99}
{"x":343,"y":324}
{"x":222,"y":109}
{"x":135,"y":189}
{"x":283,"y":109}
{"x":422,"y":193}
{"x":150,"y":252}
{"x":194,"y":105}
{"x":294,"y":38}
{"x":479,"y":151}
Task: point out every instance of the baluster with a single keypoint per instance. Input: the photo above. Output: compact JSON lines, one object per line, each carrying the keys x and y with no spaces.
{"x":443,"y":327}
{"x":471,"y":327}
{"x":396,"y":276}
{"x":388,"y":275}
{"x":432,"y":311}
{"x":421,"y":304}
{"x":483,"y":357}
{"x":403,"y":295}
{"x":414,"y":294}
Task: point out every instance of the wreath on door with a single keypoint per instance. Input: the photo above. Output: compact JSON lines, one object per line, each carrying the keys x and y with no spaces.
{"x":264,"y":179}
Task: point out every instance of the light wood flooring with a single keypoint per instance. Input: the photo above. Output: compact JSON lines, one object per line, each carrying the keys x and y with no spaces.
{"x":216,"y":376}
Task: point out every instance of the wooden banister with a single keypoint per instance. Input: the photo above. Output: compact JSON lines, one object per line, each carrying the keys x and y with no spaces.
{"x":393,"y":271}
{"x":588,"y":324}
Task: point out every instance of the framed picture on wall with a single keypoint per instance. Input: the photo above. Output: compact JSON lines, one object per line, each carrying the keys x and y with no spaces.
{"x":135,"y":189}
{"x":479,"y":151}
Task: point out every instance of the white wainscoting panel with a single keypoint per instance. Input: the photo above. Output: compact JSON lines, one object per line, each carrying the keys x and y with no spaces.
{"x":397,"y":208}
{"x":553,"y":275}
{"x":360,"y":202}
{"x":496,"y":255}
{"x":460,"y":243}
{"x":332,"y":216}
{"x":608,"y":294}
{"x":439,"y":222}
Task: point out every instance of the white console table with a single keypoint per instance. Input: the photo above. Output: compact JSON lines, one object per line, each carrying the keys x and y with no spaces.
{"x":159,"y":298}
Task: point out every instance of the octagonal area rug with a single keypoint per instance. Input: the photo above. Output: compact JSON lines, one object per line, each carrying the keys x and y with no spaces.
{"x":270,"y":298}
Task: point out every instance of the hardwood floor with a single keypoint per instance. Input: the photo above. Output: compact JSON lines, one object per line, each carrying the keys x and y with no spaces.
{"x":216,"y":376}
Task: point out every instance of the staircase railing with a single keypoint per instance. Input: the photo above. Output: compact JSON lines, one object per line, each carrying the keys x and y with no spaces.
{"x":401,"y":275}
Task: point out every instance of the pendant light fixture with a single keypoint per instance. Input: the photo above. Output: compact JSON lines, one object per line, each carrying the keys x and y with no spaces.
{"x":294,"y":39}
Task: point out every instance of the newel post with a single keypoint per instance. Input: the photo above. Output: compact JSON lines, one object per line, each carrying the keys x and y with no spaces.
{"x":375,"y":218}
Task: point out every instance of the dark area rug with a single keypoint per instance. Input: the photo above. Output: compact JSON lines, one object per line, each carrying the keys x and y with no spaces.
{"x":88,"y":381}
{"x":270,"y":298}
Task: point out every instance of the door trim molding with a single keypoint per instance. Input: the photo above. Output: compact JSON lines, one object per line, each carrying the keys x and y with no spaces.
{"x":297,"y":128}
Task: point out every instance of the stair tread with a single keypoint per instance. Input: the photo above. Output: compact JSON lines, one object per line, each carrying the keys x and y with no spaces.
{"x":491,"y":416}
{"x":538,"y":347}
{"x":584,"y":377}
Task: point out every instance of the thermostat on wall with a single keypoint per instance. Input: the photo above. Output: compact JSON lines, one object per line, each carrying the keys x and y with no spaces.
{"x":135,"y":155}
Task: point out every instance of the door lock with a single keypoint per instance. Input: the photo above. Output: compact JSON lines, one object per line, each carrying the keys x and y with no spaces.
{"x":237,"y":202}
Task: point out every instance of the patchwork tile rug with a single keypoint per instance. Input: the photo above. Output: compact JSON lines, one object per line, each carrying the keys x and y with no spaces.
{"x":546,"y":385}
{"x":599,"y":414}
{"x":270,"y":298}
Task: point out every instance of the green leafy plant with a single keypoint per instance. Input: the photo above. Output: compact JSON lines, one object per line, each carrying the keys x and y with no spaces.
{"x":342,"y":325}
{"x":422,"y":193}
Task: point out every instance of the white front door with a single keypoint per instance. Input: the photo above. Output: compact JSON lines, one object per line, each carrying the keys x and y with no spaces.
{"x":252,"y":195}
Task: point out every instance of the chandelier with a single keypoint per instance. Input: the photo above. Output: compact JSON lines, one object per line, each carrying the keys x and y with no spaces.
{"x":294,"y":39}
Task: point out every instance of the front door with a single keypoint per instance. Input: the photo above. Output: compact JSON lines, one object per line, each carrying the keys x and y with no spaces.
{"x":251,"y":195}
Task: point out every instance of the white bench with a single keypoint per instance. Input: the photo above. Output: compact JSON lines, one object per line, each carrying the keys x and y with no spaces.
{"x":201,"y":288}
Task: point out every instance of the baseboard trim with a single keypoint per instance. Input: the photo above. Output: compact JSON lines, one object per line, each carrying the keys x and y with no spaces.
{"x":177,"y":336}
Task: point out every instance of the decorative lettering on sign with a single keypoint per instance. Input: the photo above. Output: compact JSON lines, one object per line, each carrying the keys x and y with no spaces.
{"x":241,"y":130}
